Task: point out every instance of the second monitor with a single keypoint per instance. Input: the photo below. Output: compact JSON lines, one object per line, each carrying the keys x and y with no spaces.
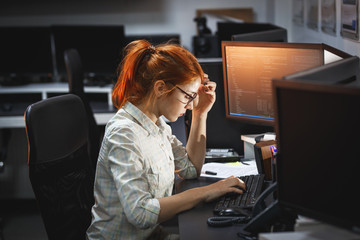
{"x":249,"y":68}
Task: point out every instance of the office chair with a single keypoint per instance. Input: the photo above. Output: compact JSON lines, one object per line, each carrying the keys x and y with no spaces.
{"x":75,"y":77}
{"x":60,"y":168}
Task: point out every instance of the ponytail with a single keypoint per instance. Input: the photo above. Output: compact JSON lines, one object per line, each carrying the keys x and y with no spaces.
{"x":144,"y":64}
{"x":126,"y":85}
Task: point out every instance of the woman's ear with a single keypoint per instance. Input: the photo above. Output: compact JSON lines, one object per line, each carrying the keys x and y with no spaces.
{"x":160,"y":88}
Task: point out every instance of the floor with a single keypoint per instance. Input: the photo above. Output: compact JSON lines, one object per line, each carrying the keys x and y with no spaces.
{"x":21,"y":220}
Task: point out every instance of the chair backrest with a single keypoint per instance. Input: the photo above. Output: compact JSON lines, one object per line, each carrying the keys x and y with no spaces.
{"x":60,"y":168}
{"x":75,"y":77}
{"x":74,"y":71}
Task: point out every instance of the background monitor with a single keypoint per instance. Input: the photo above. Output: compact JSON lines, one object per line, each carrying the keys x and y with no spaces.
{"x":100,"y":48}
{"x":344,"y":71}
{"x":25,"y":53}
{"x":225,"y":30}
{"x":249,"y":68}
{"x":155,"y":39}
{"x":317,"y":128}
{"x":273,"y":35}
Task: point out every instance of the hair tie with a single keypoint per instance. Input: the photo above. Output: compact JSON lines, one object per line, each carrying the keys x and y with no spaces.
{"x":151,"y":49}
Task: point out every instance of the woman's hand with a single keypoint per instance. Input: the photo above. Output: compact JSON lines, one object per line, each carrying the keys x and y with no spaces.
{"x":206,"y":96}
{"x":230,"y":184}
{"x":171,"y":205}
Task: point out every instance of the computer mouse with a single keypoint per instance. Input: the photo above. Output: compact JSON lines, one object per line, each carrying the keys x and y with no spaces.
{"x":234,"y":212}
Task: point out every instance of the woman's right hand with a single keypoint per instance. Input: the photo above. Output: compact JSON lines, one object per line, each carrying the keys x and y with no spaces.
{"x":216,"y":190}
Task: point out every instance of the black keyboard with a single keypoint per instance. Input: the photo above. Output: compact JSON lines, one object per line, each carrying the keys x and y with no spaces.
{"x":254,"y":187}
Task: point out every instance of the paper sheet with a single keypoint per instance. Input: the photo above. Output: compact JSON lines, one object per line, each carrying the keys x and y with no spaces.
{"x":224,"y":170}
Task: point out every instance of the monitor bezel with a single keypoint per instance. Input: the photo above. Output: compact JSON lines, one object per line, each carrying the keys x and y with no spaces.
{"x":224,"y":44}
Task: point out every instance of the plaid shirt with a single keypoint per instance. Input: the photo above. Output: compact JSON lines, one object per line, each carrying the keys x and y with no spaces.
{"x":135,"y":167}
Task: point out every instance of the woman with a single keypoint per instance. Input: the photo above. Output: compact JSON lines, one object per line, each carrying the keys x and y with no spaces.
{"x":138,"y":157}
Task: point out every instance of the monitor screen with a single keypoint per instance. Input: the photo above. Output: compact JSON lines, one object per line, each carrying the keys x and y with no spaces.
{"x":344,"y":71}
{"x":222,"y":132}
{"x":25,"y":51}
{"x":100,"y":48}
{"x":249,"y":68}
{"x":273,"y":35}
{"x":317,"y":128}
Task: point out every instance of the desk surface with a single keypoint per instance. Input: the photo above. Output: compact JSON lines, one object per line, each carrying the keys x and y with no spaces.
{"x":193,"y":223}
{"x":19,"y":97}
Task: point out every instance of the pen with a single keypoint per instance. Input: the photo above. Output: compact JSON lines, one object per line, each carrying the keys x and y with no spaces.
{"x":210,"y":173}
{"x":245,"y":163}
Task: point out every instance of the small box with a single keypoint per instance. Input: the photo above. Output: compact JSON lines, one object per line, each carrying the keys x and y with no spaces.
{"x":249,"y":142}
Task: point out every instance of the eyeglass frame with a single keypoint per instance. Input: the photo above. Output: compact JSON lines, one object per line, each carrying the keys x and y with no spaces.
{"x":192,"y":98}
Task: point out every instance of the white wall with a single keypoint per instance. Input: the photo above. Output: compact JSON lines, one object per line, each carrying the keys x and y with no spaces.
{"x":296,"y":33}
{"x":138,"y":16}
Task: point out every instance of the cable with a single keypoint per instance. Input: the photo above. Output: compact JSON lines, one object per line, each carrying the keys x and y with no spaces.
{"x":226,"y":221}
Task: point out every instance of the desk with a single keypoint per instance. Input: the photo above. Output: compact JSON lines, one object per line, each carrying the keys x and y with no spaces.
{"x":14,"y":181}
{"x":192,"y":223}
{"x":22,"y":96}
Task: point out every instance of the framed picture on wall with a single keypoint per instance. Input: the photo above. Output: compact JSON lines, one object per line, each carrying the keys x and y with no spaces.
{"x":328,"y":17}
{"x":298,"y":12}
{"x":312,"y":14}
{"x":350,"y":19}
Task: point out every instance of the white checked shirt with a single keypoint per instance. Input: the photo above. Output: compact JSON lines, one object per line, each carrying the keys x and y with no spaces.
{"x":136,"y":166}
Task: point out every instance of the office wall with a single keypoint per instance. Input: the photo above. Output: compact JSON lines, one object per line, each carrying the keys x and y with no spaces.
{"x":138,"y":16}
{"x":161,"y":16}
{"x":283,"y":17}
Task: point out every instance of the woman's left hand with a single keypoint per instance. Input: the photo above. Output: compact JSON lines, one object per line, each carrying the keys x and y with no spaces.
{"x":206,"y":96}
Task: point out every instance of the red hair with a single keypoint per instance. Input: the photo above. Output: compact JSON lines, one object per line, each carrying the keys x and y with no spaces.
{"x":144,"y":64}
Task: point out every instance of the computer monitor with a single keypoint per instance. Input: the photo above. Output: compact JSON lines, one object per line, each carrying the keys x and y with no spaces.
{"x":25,"y":52}
{"x":99,"y":46}
{"x":344,"y":71}
{"x":155,"y":39}
{"x":222,"y":132}
{"x":249,"y":68}
{"x":317,"y":127}
{"x":273,"y":35}
{"x":225,"y":30}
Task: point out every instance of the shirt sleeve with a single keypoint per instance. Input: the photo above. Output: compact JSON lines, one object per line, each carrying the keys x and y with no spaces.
{"x":183,"y":164}
{"x":126,"y":165}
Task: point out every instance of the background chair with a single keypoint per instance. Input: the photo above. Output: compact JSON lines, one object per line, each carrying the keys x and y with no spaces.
{"x":60,"y":168}
{"x":75,"y":77}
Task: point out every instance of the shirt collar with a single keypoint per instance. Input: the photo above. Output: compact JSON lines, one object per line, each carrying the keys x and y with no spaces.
{"x":144,"y":120}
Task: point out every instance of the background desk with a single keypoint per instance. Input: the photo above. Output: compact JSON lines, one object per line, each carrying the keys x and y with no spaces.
{"x":193,"y":223}
{"x":19,"y":97}
{"x":14,"y":180}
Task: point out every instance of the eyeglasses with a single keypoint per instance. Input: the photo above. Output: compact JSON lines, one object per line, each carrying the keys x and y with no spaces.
{"x":191,"y":98}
